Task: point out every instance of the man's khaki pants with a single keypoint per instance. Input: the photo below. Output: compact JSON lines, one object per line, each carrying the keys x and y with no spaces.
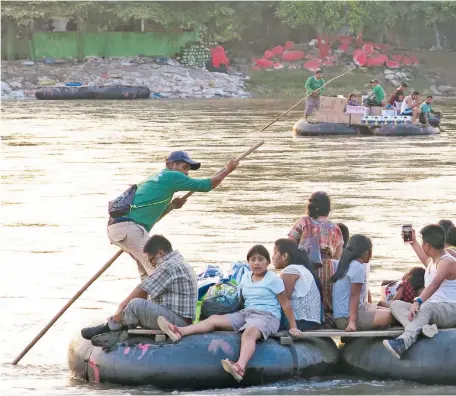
{"x":439,"y":313}
{"x":131,"y":238}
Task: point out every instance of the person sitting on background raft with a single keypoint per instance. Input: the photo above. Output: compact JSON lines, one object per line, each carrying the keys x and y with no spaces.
{"x":427,"y":115}
{"x":410,"y":106}
{"x":450,"y":236}
{"x":263,"y":294}
{"x":172,"y":289}
{"x":436,"y":305}
{"x":376,"y":97}
{"x":351,"y":309}
{"x":352,"y":101}
{"x":321,"y":239}
{"x":302,"y":285}
{"x":130,"y":231}
{"x":395,"y":97}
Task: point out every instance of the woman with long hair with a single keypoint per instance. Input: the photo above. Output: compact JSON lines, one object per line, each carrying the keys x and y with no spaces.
{"x":321,"y":239}
{"x":302,"y":285}
{"x":351,"y":309}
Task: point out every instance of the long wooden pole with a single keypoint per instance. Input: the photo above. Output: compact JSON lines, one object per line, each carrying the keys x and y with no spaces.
{"x":106,"y":266}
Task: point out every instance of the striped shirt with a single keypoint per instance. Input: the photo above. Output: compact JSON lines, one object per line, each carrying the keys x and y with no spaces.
{"x":173,"y":285}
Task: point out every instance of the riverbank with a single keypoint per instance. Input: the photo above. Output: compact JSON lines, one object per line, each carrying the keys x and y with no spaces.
{"x":168,"y":79}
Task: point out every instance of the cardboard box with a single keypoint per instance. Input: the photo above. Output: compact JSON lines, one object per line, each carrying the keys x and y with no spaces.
{"x":355,"y":119}
{"x":332,"y":105}
{"x":355,"y":109}
{"x":376,"y":110}
{"x":343,"y":118}
{"x":321,"y":117}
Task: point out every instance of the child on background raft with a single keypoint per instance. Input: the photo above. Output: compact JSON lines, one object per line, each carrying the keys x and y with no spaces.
{"x":302,"y":285}
{"x":351,"y":309}
{"x":352,"y":101}
{"x":450,"y":236}
{"x":263,"y":294}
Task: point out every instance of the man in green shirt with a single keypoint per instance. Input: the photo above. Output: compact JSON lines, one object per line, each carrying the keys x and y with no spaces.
{"x":314,"y":88}
{"x":427,"y":115}
{"x":377,"y":95}
{"x":131,"y":231}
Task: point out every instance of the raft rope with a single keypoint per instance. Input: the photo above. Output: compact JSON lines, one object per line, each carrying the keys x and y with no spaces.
{"x":305,"y":97}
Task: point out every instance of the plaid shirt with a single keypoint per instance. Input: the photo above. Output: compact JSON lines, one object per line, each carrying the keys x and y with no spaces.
{"x":173,"y":285}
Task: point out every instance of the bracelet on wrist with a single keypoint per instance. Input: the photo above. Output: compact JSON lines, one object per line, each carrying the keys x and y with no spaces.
{"x":418,"y":300}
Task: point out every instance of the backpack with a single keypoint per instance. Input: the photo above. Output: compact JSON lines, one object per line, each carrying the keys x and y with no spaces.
{"x":220,"y":299}
{"x":122,"y":204}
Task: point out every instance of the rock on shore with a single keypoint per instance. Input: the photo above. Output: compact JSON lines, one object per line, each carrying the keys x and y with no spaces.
{"x":168,"y":80}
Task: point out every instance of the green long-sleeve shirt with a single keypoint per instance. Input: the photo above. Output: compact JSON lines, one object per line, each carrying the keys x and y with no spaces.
{"x":312,"y":84}
{"x":154,"y":194}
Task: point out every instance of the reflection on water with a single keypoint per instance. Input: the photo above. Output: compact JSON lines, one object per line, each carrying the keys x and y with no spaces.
{"x":63,"y":161}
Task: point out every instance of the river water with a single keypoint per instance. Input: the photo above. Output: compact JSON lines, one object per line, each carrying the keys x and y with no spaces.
{"x":63,"y":161}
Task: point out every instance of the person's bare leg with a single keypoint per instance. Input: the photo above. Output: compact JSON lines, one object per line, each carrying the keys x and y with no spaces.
{"x":383,"y":318}
{"x":248,"y":344}
{"x":212,"y":323}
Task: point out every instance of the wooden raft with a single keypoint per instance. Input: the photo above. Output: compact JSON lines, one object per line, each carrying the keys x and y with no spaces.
{"x":284,"y":337}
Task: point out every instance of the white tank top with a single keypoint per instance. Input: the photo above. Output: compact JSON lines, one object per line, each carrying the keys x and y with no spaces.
{"x":404,"y":106}
{"x":447,"y":290}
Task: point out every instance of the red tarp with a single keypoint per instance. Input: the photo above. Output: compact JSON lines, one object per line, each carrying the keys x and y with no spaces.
{"x":289,"y":45}
{"x":359,"y":57}
{"x":278,"y":50}
{"x":397,"y":57}
{"x":344,"y":46}
{"x":376,"y":60}
{"x":345,"y":39}
{"x":219,"y":56}
{"x":292,"y":56}
{"x":264,"y":63}
{"x":393,"y":64}
{"x":368,"y":49}
{"x":312,"y":65}
{"x":268,"y":54}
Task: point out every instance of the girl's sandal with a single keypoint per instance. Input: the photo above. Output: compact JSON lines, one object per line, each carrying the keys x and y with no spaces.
{"x":172,"y":331}
{"x":234,"y":369}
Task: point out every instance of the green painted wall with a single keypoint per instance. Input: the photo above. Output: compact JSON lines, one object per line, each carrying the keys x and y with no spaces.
{"x":67,"y":44}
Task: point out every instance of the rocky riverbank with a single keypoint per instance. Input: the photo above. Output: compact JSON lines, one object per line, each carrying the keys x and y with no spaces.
{"x":166,"y":77}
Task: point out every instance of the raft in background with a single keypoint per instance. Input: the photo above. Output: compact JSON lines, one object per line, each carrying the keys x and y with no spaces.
{"x":427,"y":361}
{"x":304,"y":128}
{"x":105,"y":92}
{"x":194,"y":362}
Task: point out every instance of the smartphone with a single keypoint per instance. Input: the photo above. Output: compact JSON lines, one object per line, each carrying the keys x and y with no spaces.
{"x":407,"y":232}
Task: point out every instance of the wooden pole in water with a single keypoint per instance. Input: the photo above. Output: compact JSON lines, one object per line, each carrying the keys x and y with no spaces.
{"x":106,"y":266}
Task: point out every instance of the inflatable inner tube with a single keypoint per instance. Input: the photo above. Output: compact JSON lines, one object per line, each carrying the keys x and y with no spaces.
{"x":427,"y":361}
{"x":404,"y":130}
{"x":118,"y":92}
{"x":304,"y":128}
{"x":194,"y":362}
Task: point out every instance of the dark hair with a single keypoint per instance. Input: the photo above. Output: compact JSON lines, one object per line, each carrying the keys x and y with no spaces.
{"x":345,"y":233}
{"x":156,"y":243}
{"x":446,"y":224}
{"x":259,"y":249}
{"x":357,"y":246}
{"x":415,"y":93}
{"x":404,"y":84}
{"x":351,"y":95}
{"x":434,"y":235}
{"x":416,"y":278}
{"x":319,"y":204}
{"x":298,"y":257}
{"x":429,"y":97}
{"x":451,"y":236}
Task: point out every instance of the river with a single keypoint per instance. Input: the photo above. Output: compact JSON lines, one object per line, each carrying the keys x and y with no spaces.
{"x":63,"y":161}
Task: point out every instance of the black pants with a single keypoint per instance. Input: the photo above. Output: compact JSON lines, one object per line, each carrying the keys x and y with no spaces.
{"x":372,"y":102}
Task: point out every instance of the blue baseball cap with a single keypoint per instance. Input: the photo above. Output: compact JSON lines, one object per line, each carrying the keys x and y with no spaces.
{"x":183,"y":156}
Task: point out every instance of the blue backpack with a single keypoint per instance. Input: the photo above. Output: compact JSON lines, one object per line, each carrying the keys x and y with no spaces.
{"x":123,"y":203}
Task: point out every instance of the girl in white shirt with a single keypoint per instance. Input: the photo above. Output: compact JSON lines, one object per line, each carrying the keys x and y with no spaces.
{"x":302,"y":285}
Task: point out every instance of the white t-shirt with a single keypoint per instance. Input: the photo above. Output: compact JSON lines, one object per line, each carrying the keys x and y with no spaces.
{"x":305,"y":299}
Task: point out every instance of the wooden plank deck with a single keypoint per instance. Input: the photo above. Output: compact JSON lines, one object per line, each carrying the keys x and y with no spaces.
{"x":391,"y":332}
